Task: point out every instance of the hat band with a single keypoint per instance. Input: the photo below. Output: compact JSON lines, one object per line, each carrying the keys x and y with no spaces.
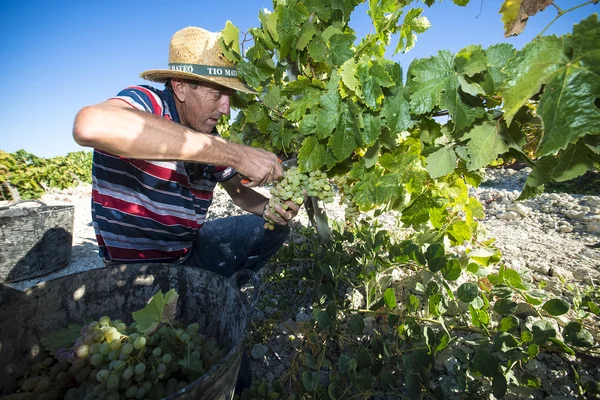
{"x":204,"y":70}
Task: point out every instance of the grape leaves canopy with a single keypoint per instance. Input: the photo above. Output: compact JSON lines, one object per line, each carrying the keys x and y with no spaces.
{"x":341,"y":106}
{"x":337,"y":103}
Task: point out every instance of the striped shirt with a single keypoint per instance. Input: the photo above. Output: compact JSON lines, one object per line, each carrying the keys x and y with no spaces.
{"x":150,"y":210}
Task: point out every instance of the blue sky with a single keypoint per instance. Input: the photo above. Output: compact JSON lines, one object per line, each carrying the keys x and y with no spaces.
{"x":59,"y":56}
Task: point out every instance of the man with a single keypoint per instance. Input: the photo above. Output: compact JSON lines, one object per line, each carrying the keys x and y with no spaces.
{"x":157,"y":159}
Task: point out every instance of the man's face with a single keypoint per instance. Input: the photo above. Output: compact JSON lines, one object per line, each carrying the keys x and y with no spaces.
{"x":201,"y":104}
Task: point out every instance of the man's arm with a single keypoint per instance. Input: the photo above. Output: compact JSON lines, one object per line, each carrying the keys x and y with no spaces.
{"x":250,"y":200}
{"x":116,"y":127}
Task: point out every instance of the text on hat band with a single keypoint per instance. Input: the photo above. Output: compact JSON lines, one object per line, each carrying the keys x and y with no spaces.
{"x":204,"y":70}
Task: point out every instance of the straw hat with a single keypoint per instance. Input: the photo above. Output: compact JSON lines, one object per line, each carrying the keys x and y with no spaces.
{"x":195,"y":53}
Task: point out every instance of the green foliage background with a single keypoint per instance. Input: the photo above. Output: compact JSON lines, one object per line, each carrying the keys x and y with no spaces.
{"x":31,"y":175}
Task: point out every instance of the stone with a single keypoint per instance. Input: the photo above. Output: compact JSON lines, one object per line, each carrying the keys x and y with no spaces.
{"x":519,"y":208}
{"x":565,"y":228}
{"x":259,"y":351}
{"x":592,"y":201}
{"x":509,"y":216}
{"x":572,"y":214}
{"x":302,"y":317}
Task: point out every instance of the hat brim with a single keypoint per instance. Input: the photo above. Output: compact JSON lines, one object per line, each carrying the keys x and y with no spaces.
{"x":162,"y":75}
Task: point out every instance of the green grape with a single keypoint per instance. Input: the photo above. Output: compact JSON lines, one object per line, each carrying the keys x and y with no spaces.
{"x":104,"y":321}
{"x":139,"y":343}
{"x":89,"y":339}
{"x":95,"y":348}
{"x":115,"y":344}
{"x":167,"y":358}
{"x":131,"y":391}
{"x":82,"y":351}
{"x":78,"y":363}
{"x":104,"y":348}
{"x":114,"y":355}
{"x":96,"y":359}
{"x":98,"y":336}
{"x":121,"y":327}
{"x":161,"y":369}
{"x":72,"y":394}
{"x":128,"y":373}
{"x":30,"y":383}
{"x":157,"y":351}
{"x":102,"y":375}
{"x":114,"y":396}
{"x":112,"y":382}
{"x":140,"y":369}
{"x":141,"y":392}
{"x":42,"y":386}
{"x":127,"y":348}
{"x":147,"y":386}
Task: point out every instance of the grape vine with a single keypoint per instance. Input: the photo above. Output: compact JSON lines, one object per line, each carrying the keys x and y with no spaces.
{"x":334,"y":101}
{"x":24,"y":175}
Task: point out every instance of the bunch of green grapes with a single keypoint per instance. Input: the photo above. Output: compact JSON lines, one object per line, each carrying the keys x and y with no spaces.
{"x":112,"y":361}
{"x":293,"y":187}
{"x":351,"y":212}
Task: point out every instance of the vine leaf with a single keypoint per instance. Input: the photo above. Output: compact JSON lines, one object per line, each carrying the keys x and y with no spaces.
{"x":328,"y":114}
{"x":313,"y":155}
{"x":396,"y":112}
{"x":567,"y":106}
{"x":569,"y":68}
{"x":497,"y":58}
{"x":373,"y":76}
{"x":340,"y":48}
{"x":435,"y":83}
{"x":485,"y":363}
{"x":343,"y":141}
{"x":577,"y":335}
{"x":413,"y":24}
{"x":269,"y":23}
{"x":442,"y":162}
{"x":390,"y":298}
{"x":62,"y":338}
{"x":471,"y":60}
{"x":307,"y":33}
{"x":467,"y":292}
{"x":310,"y":380}
{"x":487,"y":142}
{"x":161,"y":308}
{"x":568,"y":164}
{"x":542,"y":331}
{"x":230,"y":42}
{"x":348,"y":74}
{"x":516,"y":12}
{"x":556,"y":307}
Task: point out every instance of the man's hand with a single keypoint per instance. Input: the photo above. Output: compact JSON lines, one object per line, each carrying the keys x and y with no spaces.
{"x":282,"y":216}
{"x":259,"y":167}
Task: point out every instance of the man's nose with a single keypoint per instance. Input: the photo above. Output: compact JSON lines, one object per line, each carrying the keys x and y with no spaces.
{"x":224,"y":105}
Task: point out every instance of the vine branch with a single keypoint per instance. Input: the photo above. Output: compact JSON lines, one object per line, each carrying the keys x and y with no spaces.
{"x":563,"y":12}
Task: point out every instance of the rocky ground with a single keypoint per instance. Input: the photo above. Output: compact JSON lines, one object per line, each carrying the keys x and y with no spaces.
{"x":546,"y":238}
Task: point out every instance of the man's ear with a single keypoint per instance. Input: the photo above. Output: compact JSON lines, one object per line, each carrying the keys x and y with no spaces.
{"x":179,"y":89}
